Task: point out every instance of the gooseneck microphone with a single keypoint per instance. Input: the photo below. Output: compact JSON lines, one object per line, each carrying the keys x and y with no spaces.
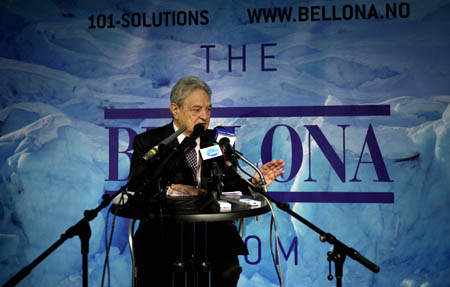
{"x":233,"y":155}
{"x":151,"y":153}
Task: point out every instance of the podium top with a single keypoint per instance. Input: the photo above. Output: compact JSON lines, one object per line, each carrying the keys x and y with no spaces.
{"x":237,"y":210}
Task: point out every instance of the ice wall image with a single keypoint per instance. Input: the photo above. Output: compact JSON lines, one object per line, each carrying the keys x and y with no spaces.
{"x":57,"y":77}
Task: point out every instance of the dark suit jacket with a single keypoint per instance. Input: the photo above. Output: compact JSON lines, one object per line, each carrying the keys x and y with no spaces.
{"x":223,"y":238}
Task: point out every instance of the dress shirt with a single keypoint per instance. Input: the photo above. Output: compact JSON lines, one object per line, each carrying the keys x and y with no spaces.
{"x":180,"y":139}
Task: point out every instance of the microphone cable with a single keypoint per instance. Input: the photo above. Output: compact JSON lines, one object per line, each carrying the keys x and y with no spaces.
{"x":108,"y":244}
{"x":273,"y":227}
{"x":273,"y":224}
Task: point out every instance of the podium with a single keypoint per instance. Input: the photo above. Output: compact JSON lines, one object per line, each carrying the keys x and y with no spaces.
{"x":238,"y":211}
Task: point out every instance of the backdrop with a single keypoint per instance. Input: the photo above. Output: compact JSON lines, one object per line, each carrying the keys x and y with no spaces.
{"x":353,"y":95}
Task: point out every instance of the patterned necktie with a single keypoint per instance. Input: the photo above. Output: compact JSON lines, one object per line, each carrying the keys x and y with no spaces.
{"x":191,"y":157}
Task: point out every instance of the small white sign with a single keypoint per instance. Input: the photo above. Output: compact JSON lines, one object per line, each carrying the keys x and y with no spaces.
{"x":210,"y":152}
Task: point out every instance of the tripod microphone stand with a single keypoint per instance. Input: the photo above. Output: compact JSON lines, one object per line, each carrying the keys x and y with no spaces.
{"x":340,"y":250}
{"x":82,"y":228}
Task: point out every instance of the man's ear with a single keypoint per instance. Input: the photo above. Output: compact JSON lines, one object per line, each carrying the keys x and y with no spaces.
{"x":174,"y":109}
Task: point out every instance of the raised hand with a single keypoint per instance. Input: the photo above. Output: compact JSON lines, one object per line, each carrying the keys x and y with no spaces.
{"x":270,"y":170}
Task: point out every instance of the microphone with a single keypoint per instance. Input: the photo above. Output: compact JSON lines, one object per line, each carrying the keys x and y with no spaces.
{"x":151,"y":153}
{"x":226,"y":140}
{"x":220,"y":132}
{"x":198,"y":131}
{"x":213,"y":161}
{"x":229,"y":152}
{"x":225,"y":144}
{"x":189,"y":142}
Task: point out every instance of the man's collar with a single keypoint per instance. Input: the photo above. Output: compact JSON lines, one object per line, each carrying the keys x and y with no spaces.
{"x":182,"y":136}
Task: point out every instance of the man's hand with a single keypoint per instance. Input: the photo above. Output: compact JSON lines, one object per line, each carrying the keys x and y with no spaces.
{"x":270,"y":170}
{"x":184,"y":190}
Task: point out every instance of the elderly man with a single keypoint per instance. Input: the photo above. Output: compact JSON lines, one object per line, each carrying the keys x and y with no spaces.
{"x":156,"y":242}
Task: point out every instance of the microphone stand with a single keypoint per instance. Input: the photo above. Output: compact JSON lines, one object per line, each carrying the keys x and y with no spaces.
{"x":82,"y":228}
{"x":340,"y":250}
{"x":217,"y":180}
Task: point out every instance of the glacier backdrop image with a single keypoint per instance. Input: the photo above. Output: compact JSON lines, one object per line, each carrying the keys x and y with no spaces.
{"x":353,"y":95}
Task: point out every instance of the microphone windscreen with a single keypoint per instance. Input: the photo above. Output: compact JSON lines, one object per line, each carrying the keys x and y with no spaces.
{"x":198,"y":130}
{"x":224,"y":141}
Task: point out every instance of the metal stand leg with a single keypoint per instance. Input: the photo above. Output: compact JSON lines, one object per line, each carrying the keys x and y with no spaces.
{"x":202,"y":267}
{"x":130,"y":243}
{"x":194,"y":267}
{"x":206,"y":264}
{"x":178,"y":266}
{"x":194,"y":258}
{"x":241,"y":227}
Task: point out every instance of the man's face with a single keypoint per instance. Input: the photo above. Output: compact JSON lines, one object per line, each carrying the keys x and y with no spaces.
{"x":196,"y":109}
